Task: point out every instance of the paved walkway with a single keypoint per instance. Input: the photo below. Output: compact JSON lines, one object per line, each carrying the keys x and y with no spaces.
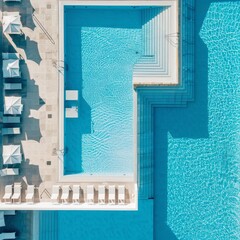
{"x":38,"y":47}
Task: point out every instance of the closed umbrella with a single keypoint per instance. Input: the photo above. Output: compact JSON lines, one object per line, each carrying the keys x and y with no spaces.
{"x":12,"y":154}
{"x":11,"y":68}
{"x":12,"y":24}
{"x":13,"y":105}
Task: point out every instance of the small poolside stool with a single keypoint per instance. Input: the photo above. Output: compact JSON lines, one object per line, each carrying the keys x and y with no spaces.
{"x":72,"y":95}
{"x":71,"y":112}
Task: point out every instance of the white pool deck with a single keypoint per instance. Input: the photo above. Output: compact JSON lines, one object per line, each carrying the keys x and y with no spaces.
{"x":42,"y":124}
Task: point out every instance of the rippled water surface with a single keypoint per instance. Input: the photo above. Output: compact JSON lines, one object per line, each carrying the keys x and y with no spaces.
{"x":101,"y":49}
{"x":203,"y":141}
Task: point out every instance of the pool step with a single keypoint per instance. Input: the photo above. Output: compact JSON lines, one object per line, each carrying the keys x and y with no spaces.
{"x":156,"y":30}
{"x":48,"y":225}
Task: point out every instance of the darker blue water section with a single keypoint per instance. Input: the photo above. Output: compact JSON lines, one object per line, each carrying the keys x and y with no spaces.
{"x":117,"y":225}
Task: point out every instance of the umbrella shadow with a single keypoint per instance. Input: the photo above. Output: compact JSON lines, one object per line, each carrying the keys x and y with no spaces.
{"x":29,"y":46}
{"x":32,"y":173}
{"x":25,"y":9}
{"x":27,"y":21}
{"x":26,"y":12}
{"x":30,"y":93}
{"x":31,"y":129}
{"x":32,"y":101}
{"x":32,"y":52}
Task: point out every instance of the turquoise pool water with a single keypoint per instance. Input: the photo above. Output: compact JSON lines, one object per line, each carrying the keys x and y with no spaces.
{"x":92,"y":225}
{"x":101,"y":47}
{"x":200,"y":144}
{"x":117,"y":225}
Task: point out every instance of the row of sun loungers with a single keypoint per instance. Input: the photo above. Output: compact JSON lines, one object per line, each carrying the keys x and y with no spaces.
{"x":13,"y":194}
{"x":55,"y":197}
{"x":90,"y":194}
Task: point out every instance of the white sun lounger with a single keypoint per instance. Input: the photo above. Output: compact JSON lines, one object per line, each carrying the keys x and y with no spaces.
{"x":112,"y":195}
{"x":101,"y":194}
{"x":121,"y":194}
{"x":10,"y":131}
{"x":30,"y":194}
{"x":55,"y":193}
{"x":65,"y":193}
{"x":7,"y":235}
{"x":71,"y":112}
{"x":76,"y":193}
{"x":12,"y":86}
{"x":8,"y":193}
{"x":90,"y":194}
{"x":72,"y":95}
{"x":17,"y":189}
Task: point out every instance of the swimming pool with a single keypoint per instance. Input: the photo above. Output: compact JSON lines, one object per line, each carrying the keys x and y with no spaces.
{"x":196,"y":147}
{"x":101,"y":47}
